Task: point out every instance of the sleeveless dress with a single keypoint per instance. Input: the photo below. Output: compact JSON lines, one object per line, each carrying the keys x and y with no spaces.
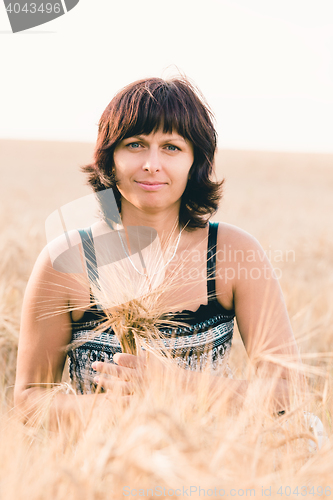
{"x":206,"y":338}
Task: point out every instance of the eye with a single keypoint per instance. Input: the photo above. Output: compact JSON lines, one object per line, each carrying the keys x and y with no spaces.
{"x":171,"y":147}
{"x":134,"y":145}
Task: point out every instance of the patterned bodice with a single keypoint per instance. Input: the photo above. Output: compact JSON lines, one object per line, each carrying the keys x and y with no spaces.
{"x":206,"y":338}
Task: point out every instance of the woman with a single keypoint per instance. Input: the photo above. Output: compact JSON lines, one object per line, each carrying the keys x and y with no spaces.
{"x":155,"y":151}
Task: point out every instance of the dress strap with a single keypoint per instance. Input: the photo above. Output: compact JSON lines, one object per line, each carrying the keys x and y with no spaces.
{"x":211,"y":261}
{"x":91,"y":262}
{"x":90,"y":255}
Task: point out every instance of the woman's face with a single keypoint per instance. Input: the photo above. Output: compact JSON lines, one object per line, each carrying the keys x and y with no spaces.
{"x":152,"y":170}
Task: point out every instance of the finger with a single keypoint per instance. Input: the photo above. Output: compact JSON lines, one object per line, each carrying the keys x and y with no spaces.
{"x":128,"y":360}
{"x":111,"y":369}
{"x":114,"y":386}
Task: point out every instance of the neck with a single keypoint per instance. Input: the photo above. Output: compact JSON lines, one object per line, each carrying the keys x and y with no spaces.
{"x":165,"y":222}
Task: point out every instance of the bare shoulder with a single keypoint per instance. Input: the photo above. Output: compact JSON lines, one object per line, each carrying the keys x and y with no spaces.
{"x":236,"y":254}
{"x":57,"y":268}
{"x":238,"y":244}
{"x":64,"y":252}
{"x":242,"y":265}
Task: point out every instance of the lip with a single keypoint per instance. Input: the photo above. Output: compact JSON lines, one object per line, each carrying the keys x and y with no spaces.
{"x":150,"y":186}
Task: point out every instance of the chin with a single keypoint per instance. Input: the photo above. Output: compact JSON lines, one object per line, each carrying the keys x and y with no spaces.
{"x":152,"y":204}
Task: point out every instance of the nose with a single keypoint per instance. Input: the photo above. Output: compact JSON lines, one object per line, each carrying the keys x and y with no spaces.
{"x":153,"y":162}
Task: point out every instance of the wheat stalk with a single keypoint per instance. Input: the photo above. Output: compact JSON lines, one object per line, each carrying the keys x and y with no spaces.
{"x":133,"y":303}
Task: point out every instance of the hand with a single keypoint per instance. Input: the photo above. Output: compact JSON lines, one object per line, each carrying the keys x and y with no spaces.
{"x":130,"y":373}
{"x":123,"y":377}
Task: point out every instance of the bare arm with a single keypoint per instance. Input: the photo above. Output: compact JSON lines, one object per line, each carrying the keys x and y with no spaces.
{"x":45,"y":334}
{"x":260,"y":309}
{"x":261,"y":313}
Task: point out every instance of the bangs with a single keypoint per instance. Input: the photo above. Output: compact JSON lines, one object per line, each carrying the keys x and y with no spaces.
{"x":158,"y":107}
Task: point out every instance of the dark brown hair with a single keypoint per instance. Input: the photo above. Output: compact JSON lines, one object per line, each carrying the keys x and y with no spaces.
{"x":144,"y":107}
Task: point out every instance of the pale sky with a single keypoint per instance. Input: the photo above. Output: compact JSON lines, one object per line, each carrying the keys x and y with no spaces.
{"x":264,"y":66}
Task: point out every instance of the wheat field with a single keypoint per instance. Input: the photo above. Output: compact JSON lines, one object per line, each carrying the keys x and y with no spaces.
{"x":166,"y":443}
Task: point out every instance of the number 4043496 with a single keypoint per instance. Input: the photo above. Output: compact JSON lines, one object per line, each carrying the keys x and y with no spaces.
{"x":304,"y":491}
{"x":33,"y":8}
